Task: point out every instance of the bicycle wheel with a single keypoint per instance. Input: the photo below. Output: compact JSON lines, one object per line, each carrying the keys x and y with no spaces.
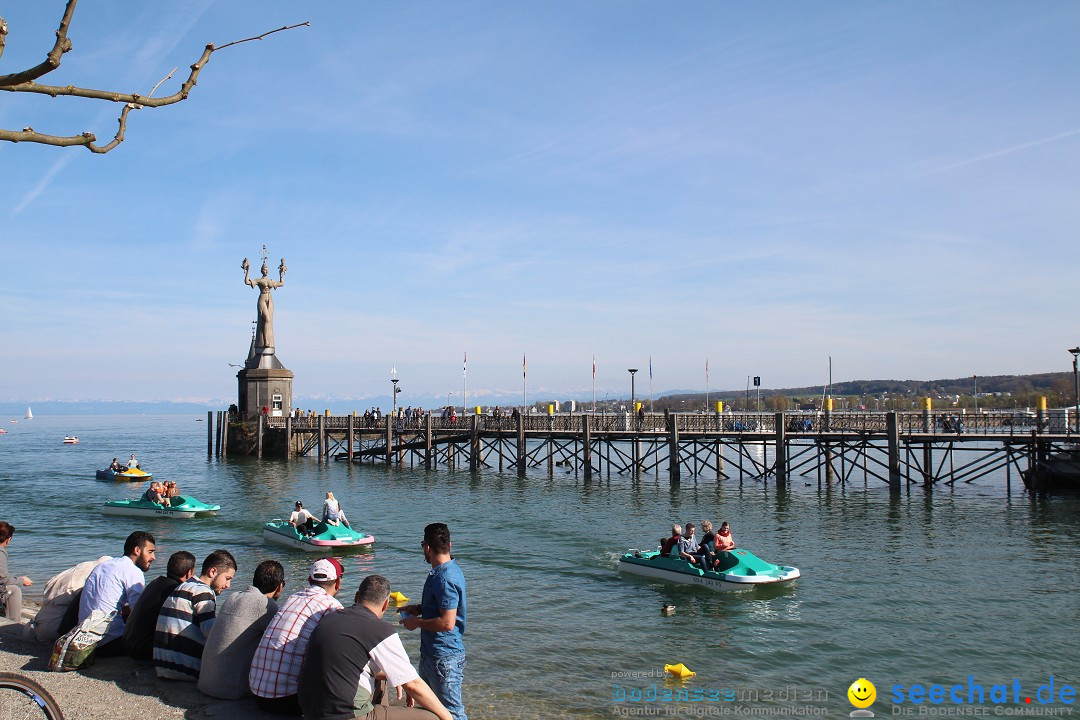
{"x":24,"y":699}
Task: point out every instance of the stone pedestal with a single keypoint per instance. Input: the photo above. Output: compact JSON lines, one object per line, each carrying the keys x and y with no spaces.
{"x":264,"y":383}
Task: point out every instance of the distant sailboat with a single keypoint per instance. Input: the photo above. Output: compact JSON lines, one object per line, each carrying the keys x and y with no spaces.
{"x":29,"y":415}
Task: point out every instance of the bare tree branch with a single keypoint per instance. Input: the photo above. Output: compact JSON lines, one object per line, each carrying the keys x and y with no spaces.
{"x":25,"y":82}
{"x":85,"y":139}
{"x":52,"y":60}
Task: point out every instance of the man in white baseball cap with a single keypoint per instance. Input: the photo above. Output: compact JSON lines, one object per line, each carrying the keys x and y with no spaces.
{"x":275,"y":669}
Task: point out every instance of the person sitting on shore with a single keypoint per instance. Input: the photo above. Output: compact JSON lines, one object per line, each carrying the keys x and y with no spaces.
{"x":302,"y":520}
{"x":187,"y":616}
{"x":241,"y":621}
{"x":352,"y":655}
{"x":275,"y":668}
{"x":60,"y":601}
{"x":10,"y":587}
{"x":671,"y":543}
{"x":115,"y":585}
{"x":141,"y":623}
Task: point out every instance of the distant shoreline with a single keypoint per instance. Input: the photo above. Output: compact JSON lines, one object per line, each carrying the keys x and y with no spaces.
{"x":1033,"y":383}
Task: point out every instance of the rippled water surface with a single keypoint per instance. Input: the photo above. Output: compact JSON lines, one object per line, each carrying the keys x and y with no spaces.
{"x":921,"y":588}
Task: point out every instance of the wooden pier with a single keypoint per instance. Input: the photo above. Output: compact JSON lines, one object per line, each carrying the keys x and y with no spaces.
{"x":896,"y":448}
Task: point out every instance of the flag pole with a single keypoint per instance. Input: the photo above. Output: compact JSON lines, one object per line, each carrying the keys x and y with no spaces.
{"x":594,"y":382}
{"x":651,"y":406}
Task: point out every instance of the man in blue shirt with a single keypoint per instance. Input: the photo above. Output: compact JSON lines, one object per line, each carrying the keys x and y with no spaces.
{"x":441,"y":619}
{"x":116,"y":585}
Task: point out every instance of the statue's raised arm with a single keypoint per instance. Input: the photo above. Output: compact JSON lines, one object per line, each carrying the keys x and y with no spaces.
{"x":281,"y":271}
{"x":245,"y":267}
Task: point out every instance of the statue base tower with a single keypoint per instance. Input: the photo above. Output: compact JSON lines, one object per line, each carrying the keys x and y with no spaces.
{"x":265,"y":386}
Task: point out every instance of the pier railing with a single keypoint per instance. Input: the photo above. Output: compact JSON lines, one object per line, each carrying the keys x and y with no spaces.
{"x":937,"y":422}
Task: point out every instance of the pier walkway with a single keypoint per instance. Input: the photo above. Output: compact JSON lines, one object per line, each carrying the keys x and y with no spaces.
{"x":897,"y":448}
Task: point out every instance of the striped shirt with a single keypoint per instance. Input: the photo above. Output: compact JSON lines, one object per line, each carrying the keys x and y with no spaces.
{"x":275,"y":668}
{"x":182,"y":626}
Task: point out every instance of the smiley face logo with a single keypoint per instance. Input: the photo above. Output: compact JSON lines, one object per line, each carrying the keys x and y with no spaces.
{"x":862,"y":693}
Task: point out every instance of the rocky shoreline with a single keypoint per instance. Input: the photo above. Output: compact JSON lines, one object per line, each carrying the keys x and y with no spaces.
{"x":120,"y":688}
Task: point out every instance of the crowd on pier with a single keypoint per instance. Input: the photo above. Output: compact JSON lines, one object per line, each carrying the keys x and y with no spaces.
{"x":305,"y":655}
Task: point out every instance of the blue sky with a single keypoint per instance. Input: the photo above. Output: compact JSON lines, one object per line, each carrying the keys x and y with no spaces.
{"x":762,"y":185}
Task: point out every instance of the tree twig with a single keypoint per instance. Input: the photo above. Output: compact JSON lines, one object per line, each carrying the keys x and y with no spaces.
{"x":152,"y":91}
{"x":25,"y":81}
{"x":3,"y":36}
{"x":260,"y":37}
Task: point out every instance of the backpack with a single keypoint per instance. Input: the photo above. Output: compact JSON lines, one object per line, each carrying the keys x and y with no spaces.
{"x":75,"y":648}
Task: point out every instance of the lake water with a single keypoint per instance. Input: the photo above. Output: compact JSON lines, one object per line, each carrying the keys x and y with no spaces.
{"x":923,"y":588}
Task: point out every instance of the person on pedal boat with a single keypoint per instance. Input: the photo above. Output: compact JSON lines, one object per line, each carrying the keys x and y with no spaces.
{"x":302,"y":520}
{"x":332,"y":514}
{"x":723,"y":543}
{"x":671,"y":543}
{"x":155,"y":494}
{"x":688,"y":544}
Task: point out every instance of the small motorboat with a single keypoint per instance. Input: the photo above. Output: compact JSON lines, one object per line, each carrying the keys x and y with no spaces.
{"x":182,"y":506}
{"x":740,"y":570}
{"x":325,"y":536}
{"x":131,"y":474}
{"x":3,"y":431}
{"x":71,"y":440}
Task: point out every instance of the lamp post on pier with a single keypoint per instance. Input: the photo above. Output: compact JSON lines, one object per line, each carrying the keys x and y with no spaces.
{"x":633,"y":404}
{"x":1076,"y":381}
{"x":394,"y":381}
{"x":975,"y":379}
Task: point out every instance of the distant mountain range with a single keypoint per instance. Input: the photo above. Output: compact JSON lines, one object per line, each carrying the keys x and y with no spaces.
{"x":1043,"y":383}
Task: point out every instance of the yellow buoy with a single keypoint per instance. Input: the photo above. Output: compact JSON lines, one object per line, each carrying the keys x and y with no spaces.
{"x":398,"y":598}
{"x":679,"y":671}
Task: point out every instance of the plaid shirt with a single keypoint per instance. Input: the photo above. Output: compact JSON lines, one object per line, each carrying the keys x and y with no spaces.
{"x":276,"y":665}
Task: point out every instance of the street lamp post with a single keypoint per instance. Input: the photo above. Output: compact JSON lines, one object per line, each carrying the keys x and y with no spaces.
{"x":633,"y":405}
{"x":1076,"y":381}
{"x":975,"y":379}
{"x":394,"y":381}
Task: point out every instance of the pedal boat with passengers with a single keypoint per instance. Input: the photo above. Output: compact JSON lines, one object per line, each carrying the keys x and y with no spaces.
{"x":739,"y":569}
{"x":181,"y":506}
{"x":129,"y":474}
{"x":325,"y":536}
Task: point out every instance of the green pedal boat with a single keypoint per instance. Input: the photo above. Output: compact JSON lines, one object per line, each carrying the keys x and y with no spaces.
{"x":739,"y":570}
{"x":182,"y":506}
{"x":325,"y":537}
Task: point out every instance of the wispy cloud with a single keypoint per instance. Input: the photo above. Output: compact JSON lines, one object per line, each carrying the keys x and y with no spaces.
{"x":43,"y":184}
{"x":1000,"y":153}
